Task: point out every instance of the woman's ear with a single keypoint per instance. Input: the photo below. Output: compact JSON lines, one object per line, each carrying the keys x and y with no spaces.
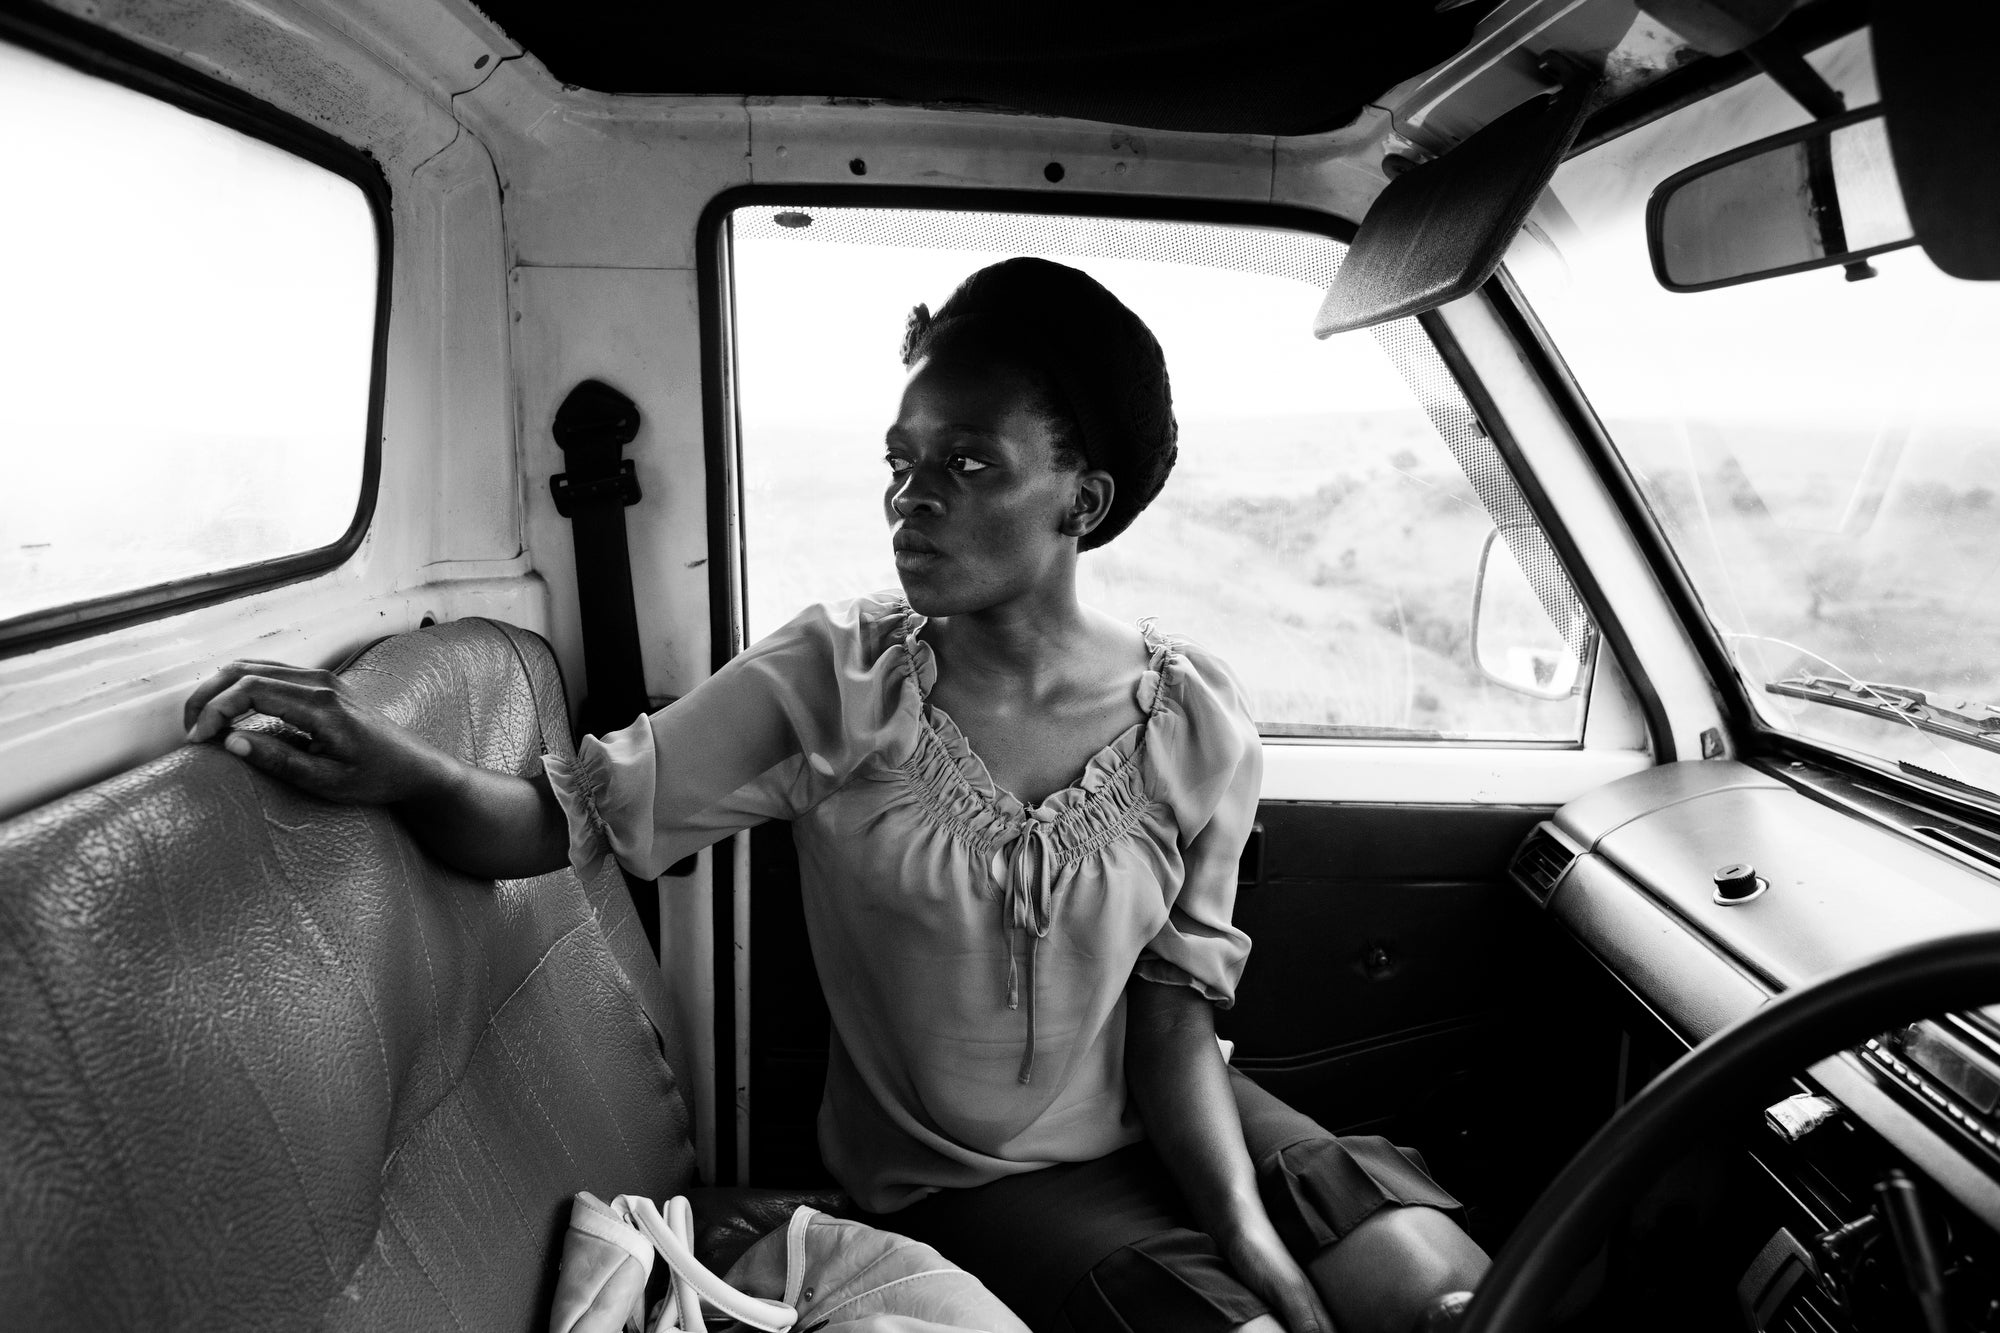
{"x":1090,"y":503}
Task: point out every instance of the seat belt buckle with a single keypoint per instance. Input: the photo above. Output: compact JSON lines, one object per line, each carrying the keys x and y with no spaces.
{"x":622,"y":485}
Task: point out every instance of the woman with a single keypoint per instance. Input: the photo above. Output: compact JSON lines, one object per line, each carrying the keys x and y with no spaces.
{"x":1018,"y":822}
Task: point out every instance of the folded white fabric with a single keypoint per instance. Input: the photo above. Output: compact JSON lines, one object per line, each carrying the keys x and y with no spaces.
{"x":846,"y":1277}
{"x":606,"y":1260}
{"x":816,"y":1273}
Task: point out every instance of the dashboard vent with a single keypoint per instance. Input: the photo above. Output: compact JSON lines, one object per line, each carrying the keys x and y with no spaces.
{"x":1541,"y":863}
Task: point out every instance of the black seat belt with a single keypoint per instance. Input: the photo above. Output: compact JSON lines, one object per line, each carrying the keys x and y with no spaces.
{"x":592,"y":428}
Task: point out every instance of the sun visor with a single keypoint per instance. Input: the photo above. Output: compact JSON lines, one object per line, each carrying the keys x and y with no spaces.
{"x":1944,"y":120}
{"x":1439,"y":230}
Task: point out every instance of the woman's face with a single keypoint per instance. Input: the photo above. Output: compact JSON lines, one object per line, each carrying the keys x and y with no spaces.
{"x":979,"y":511}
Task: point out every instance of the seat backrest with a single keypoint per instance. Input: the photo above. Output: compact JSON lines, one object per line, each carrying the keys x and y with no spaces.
{"x":264,"y":1064}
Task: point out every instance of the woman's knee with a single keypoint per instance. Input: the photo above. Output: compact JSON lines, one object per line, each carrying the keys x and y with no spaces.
{"x":1389,"y":1270}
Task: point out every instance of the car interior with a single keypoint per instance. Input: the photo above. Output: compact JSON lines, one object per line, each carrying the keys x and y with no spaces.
{"x":1590,"y":446}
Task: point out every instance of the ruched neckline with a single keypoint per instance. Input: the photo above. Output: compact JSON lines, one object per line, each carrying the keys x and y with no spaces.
{"x":1081,"y":815}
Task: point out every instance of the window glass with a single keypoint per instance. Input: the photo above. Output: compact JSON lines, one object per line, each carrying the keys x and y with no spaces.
{"x":185,"y":359}
{"x":1320,"y":529}
{"x":1822,"y":453}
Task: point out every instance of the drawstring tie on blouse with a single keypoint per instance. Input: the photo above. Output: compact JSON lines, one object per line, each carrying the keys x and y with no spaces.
{"x":1025,"y":903}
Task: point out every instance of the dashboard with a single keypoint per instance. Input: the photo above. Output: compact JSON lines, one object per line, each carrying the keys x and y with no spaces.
{"x":1707,"y":887}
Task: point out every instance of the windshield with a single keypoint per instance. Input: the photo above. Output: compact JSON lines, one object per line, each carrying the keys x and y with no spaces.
{"x":1822,"y":454}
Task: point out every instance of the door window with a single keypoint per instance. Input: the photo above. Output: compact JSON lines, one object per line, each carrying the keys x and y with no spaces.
{"x":1323,"y":529}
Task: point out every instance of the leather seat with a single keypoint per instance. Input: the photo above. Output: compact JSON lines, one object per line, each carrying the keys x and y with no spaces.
{"x":263,"y":1064}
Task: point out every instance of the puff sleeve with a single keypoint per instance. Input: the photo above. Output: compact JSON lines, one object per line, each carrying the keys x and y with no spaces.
{"x":778,"y":729}
{"x":1208,"y":767}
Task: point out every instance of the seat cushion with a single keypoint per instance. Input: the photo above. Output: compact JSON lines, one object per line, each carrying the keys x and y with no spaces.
{"x":264,"y":1064}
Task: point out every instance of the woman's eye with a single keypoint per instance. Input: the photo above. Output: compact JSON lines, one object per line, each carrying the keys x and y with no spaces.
{"x":966,"y":463}
{"x":898,"y":465}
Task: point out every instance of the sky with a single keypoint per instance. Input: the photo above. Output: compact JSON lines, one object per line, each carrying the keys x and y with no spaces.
{"x":1804,"y":349}
{"x":831,"y":317}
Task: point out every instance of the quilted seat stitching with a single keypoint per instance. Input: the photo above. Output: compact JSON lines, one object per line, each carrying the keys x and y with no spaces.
{"x":472,"y":1051}
{"x":590,"y":1076}
{"x":500,"y":1172}
{"x":395,"y":1221}
{"x":501,"y":1041}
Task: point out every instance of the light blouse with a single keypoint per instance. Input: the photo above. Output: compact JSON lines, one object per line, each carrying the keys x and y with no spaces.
{"x":974,"y":949}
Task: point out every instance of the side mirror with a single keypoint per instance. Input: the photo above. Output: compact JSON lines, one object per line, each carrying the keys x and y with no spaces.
{"x":1823,"y":194}
{"x":1514,"y":642}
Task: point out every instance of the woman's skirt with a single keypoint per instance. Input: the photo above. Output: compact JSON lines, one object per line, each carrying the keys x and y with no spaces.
{"x":1108,"y":1246}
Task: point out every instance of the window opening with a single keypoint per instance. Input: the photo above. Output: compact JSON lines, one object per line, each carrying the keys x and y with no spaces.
{"x":1323,"y":527}
{"x":187,"y":362}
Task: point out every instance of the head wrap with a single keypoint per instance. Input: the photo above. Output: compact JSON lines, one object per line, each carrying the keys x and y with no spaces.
{"x":1104,"y":366}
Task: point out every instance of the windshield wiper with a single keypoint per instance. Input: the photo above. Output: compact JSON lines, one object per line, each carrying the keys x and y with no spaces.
{"x":1974,"y":723}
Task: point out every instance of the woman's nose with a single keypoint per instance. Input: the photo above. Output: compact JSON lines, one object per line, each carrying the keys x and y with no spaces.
{"x":911,"y":496}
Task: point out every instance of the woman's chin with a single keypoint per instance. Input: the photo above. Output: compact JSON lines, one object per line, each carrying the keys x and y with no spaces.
{"x":921,"y":593}
{"x":930,"y":595}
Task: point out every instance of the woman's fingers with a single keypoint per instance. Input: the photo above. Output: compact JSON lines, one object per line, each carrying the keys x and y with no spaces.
{"x":1293,"y":1300}
{"x":236,"y":671}
{"x":1300,"y":1310}
{"x":307,"y":707}
{"x":1268,"y":1269}
{"x":268,"y":754}
{"x":350,"y":752}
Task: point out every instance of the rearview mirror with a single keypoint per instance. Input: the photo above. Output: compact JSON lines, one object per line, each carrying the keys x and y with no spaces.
{"x":1514,"y":643}
{"x":1823,"y":194}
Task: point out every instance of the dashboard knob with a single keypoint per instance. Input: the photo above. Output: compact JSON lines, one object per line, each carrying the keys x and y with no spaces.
{"x":1738,"y":883}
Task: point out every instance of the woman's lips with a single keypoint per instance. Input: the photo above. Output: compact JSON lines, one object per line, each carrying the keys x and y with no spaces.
{"x":914,"y":550}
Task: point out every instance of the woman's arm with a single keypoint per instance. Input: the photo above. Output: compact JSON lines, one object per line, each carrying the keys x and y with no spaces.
{"x":1182,"y":1091}
{"x":493,"y":825}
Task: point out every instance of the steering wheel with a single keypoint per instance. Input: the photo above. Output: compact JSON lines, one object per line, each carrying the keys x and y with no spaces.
{"x":1569,"y":1221}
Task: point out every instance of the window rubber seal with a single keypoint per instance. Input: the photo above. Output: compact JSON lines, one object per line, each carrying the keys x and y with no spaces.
{"x":119,"y":60}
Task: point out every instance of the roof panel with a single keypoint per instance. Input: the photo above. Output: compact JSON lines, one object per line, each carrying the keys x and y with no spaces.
{"x":1257,"y":67}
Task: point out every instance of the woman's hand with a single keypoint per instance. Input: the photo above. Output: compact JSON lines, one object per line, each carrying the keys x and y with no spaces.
{"x":493,"y":825}
{"x":350,"y":752}
{"x":1261,"y":1260}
